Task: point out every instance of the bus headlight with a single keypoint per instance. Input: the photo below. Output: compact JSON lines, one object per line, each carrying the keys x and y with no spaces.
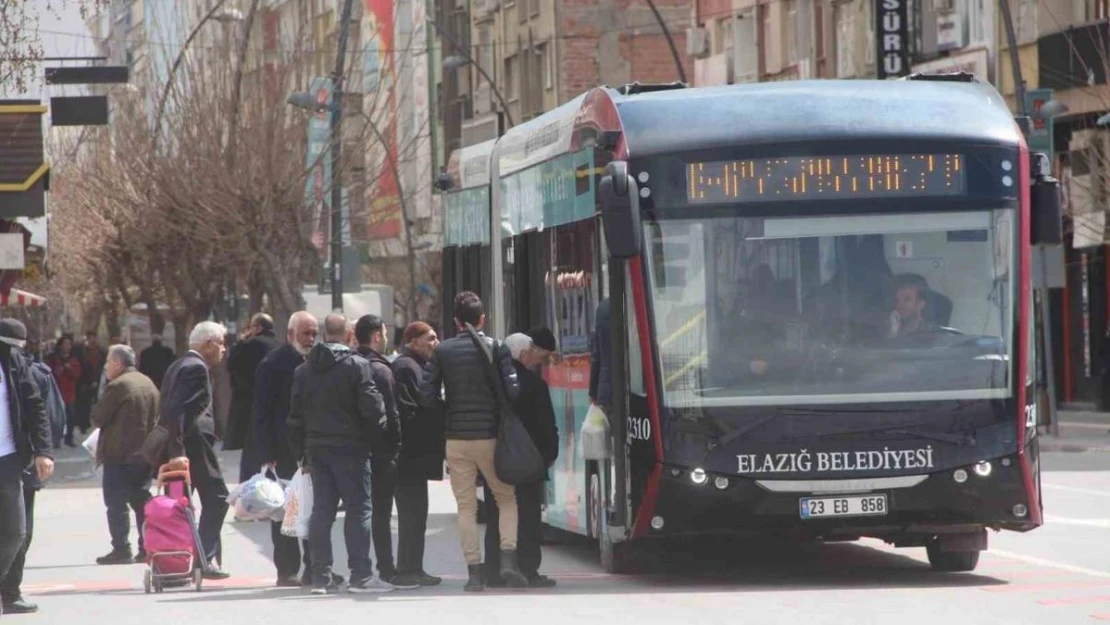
{"x":720,"y":482}
{"x":960,"y":476}
{"x":698,"y":476}
{"x":983,"y":469}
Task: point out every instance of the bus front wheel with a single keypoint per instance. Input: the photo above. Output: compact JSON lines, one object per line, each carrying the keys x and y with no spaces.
{"x":951,"y":561}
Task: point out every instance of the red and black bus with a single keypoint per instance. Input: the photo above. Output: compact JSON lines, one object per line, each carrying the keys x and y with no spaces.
{"x":822,"y":324}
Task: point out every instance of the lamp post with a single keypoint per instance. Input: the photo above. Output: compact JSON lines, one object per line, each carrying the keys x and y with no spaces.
{"x":307,"y":101}
{"x":461,"y":59}
{"x":217,"y":13}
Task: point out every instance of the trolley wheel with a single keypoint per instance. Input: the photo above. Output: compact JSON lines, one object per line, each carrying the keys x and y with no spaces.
{"x":147,"y":581}
{"x":198,"y":578}
{"x":158,"y":586}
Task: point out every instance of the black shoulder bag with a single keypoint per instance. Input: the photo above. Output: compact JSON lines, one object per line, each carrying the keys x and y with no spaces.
{"x":516,"y":458}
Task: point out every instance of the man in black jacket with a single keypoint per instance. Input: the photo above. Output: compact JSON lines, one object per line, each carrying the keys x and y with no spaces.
{"x":155,"y":360}
{"x":273,"y":385}
{"x":242,"y":363}
{"x":536,"y":412}
{"x":460,"y":368}
{"x":186,"y":413}
{"x":25,"y":438}
{"x":370,"y":332}
{"x":14,"y":334}
{"x":337,"y":419}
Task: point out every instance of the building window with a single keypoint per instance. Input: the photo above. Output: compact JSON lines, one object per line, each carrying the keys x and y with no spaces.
{"x":547,"y":65}
{"x":845,"y":40}
{"x":512,"y":67}
{"x":745,"y":47}
{"x":1027,"y":21}
{"x":790,"y":31}
{"x":485,"y":48}
{"x":1097,"y":10}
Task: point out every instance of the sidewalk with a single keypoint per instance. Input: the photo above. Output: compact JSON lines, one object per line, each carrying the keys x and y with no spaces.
{"x":1080,"y":431}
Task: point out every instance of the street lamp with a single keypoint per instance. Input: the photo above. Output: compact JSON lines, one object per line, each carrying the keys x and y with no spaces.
{"x":461,"y":59}
{"x":307,"y":101}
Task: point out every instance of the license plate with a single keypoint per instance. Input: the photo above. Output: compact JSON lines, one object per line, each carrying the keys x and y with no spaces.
{"x":854,"y":505}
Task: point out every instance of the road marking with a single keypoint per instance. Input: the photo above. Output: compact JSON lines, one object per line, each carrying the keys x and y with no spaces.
{"x":1101,"y":617}
{"x":1075,"y":600}
{"x":1081,"y":491}
{"x":1082,"y":570}
{"x":1100,"y":523}
{"x":1036,"y":587}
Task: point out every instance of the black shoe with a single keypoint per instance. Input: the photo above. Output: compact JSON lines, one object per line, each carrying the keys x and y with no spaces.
{"x":510,"y":572}
{"x":70,"y":443}
{"x":117,"y":556}
{"x":474,"y":583}
{"x":215,"y":573}
{"x":140,"y":557}
{"x":540,"y":581}
{"x":19,"y":606}
{"x":288,"y":581}
{"x":325,"y":589}
{"x":416,"y":579}
{"x":388,"y":575}
{"x":306,"y":580}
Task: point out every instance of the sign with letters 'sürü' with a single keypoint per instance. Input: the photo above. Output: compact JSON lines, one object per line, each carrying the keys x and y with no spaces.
{"x":892,"y":39}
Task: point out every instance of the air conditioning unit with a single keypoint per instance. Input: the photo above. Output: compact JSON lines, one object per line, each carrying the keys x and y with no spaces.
{"x":697,"y":42}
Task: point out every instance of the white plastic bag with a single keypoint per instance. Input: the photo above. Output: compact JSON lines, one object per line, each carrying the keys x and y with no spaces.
{"x":91,"y":441}
{"x":595,"y":434}
{"x":259,"y":498}
{"x":298,"y":506}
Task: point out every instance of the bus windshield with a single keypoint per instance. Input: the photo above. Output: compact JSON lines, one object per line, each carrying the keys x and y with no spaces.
{"x":890,"y":307}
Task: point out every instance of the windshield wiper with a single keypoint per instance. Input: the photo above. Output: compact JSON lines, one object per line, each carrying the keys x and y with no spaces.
{"x":943,"y":437}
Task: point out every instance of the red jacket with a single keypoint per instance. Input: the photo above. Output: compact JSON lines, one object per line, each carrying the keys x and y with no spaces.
{"x":66,"y":373}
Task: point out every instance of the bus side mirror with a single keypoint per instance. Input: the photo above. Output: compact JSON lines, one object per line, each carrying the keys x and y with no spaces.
{"x":1046,"y":213}
{"x":620,"y":211}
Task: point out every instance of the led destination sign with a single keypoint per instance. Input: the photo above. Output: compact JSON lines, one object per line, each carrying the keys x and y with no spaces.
{"x":826,"y":177}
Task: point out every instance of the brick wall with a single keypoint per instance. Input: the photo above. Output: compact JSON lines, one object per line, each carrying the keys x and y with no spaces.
{"x":619,"y":41}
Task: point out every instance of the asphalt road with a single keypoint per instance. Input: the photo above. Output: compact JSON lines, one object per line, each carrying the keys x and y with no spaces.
{"x":1057,"y":574}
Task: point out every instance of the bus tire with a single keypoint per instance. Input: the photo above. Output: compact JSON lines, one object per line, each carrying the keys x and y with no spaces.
{"x":951,"y":561}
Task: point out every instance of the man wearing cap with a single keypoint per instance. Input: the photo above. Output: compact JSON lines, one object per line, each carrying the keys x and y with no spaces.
{"x":530,"y":351}
{"x":25,"y":439}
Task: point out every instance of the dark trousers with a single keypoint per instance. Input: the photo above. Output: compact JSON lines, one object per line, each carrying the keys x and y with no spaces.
{"x":9,"y":586}
{"x":71,"y":422}
{"x":529,"y":502}
{"x":288,"y":549}
{"x":125,"y":485}
{"x":412,"y":522}
{"x":13,"y":517}
{"x":340,"y":474}
{"x":204,"y":471}
{"x":383,"y":482}
{"x":249,"y":463}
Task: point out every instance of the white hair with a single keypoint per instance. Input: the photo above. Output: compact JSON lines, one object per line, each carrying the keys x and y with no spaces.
{"x":297,"y":317}
{"x":206,"y":331}
{"x":518,"y":343}
{"x":123,"y":354}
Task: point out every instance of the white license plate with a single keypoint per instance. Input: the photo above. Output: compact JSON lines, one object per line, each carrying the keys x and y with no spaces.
{"x":854,"y":505}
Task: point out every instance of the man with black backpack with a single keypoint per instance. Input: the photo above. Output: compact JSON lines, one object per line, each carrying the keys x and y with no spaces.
{"x":459,"y":367}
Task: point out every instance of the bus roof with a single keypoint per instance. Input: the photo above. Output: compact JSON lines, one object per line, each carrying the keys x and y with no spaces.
{"x":814,"y":110}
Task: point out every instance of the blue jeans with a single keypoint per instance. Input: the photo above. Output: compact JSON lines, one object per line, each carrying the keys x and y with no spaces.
{"x":340,"y":474}
{"x":125,"y":485}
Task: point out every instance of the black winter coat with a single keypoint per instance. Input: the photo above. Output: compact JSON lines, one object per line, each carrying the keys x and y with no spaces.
{"x":30,"y":424}
{"x":422,"y":442}
{"x":273,"y":389}
{"x":383,"y":379}
{"x":537,"y":414}
{"x":154,"y":361}
{"x":335,"y":404}
{"x":459,"y":367}
{"x":242,"y":364}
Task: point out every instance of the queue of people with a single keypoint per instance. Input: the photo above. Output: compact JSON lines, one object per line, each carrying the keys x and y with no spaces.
{"x":371,"y":431}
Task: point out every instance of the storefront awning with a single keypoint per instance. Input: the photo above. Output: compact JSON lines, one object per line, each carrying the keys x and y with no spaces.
{"x":23,"y":299}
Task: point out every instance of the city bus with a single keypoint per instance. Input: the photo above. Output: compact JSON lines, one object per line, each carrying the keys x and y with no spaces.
{"x":821,"y":318}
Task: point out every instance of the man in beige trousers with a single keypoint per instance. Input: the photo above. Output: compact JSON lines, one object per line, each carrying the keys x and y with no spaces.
{"x":458,"y":368}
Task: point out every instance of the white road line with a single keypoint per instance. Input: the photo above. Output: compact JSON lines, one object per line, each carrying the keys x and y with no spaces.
{"x":1100,"y":523}
{"x":1076,"y":489}
{"x":1061,"y":566}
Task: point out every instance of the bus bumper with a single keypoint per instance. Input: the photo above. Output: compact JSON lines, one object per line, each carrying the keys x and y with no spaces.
{"x":939,"y":503}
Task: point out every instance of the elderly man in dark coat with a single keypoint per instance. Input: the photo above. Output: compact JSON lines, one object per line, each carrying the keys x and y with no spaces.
{"x":242,"y":363}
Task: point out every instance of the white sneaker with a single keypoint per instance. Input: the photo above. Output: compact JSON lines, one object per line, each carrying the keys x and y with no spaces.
{"x":373,"y":585}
